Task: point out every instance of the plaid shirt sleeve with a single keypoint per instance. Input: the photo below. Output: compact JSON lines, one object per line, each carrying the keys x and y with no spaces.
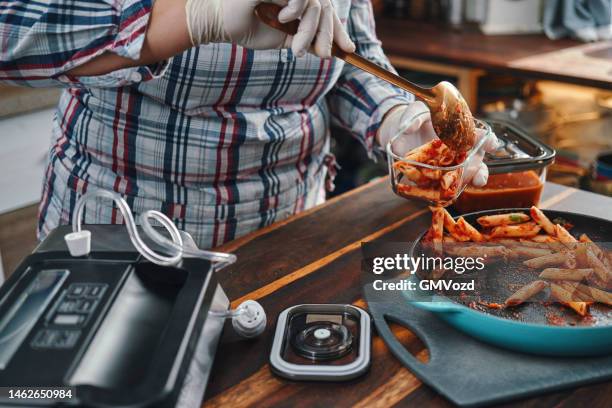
{"x":359,"y":100}
{"x":40,"y":41}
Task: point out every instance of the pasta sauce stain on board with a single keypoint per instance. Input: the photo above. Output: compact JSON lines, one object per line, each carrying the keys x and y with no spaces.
{"x":509,"y":190}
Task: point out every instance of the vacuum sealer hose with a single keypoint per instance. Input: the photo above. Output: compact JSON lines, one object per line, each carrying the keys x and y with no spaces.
{"x":248,"y":319}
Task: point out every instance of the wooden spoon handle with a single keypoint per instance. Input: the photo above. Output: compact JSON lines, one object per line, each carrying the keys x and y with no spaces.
{"x":268,"y":13}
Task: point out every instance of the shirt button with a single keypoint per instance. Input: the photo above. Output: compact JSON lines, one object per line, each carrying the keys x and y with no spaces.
{"x":136,"y":77}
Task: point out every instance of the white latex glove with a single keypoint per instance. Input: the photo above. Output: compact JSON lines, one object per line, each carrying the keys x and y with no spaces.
{"x":235,"y":21}
{"x":414,"y":122}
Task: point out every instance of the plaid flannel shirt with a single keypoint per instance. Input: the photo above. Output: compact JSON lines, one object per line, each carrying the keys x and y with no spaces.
{"x":222,"y":139}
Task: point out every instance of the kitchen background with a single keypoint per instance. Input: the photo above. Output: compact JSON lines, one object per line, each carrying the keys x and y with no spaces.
{"x":545,"y":65}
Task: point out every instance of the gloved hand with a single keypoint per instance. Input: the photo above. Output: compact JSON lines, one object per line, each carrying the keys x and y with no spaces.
{"x":235,"y":21}
{"x":414,"y":122}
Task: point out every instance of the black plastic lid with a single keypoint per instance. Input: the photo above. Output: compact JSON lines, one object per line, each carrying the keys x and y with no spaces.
{"x":519,"y":151}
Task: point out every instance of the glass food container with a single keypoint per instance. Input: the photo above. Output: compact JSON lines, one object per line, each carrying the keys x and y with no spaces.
{"x":437,"y":185}
{"x":517,"y":172}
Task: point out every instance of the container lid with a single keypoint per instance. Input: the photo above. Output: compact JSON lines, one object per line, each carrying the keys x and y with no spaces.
{"x":519,"y":151}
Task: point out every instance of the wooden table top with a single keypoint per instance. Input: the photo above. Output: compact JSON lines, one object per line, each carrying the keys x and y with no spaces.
{"x":468,"y":47}
{"x":315,"y":257}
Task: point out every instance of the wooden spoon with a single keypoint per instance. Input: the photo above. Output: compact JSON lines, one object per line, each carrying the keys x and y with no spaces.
{"x":450,"y":114}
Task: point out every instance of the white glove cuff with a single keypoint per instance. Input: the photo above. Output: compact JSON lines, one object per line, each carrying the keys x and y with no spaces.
{"x":205,"y":21}
{"x":390,"y":125}
{"x":403,"y":118}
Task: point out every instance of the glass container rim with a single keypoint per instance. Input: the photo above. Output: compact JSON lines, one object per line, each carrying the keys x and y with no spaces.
{"x":473,"y":151}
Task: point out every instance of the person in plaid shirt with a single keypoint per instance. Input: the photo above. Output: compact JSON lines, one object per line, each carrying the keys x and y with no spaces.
{"x":196,"y":109}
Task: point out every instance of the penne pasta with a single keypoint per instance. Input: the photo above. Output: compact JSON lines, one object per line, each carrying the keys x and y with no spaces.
{"x":467,"y":229}
{"x":602,"y":272}
{"x":566,"y":274}
{"x":437,"y":227}
{"x":578,"y":271}
{"x":560,"y":258}
{"x":544,"y":239}
{"x":431,"y":182}
{"x":431,"y":174}
{"x":451,"y":226}
{"x":447,"y":157}
{"x":553,"y":245}
{"x":488,"y":221}
{"x":542,"y":220}
{"x":450,"y":180}
{"x":600,"y":253}
{"x":567,"y":298}
{"x":509,"y":242}
{"x":571,"y":287}
{"x":448,"y":239}
{"x":475,"y":251}
{"x":577,"y":295}
{"x":581,"y":255}
{"x":565,"y":237}
{"x":449,"y":222}
{"x":528,"y":252}
{"x":426,"y":152}
{"x":527,"y":229}
{"x":525,"y":293}
{"x":431,"y":194}
{"x":411,"y":173}
{"x":594,"y":294}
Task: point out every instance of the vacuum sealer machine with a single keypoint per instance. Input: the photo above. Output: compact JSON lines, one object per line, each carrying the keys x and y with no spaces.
{"x":111,"y":326}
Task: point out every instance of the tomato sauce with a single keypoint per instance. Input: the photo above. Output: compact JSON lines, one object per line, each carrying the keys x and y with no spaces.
{"x":509,"y":190}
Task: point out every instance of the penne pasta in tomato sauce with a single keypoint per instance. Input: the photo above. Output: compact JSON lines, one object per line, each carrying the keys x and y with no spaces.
{"x":542,"y":220}
{"x":577,"y":275}
{"x":600,"y":253}
{"x":448,"y":239}
{"x":544,"y":239}
{"x":525,"y":293}
{"x":451,"y":226}
{"x":568,"y":299}
{"x":412,"y":173}
{"x":428,"y":151}
{"x":565,"y":237}
{"x":432,"y":194}
{"x":571,"y":287}
{"x":570,"y":267}
{"x":447,"y":157}
{"x":528,"y":252}
{"x":450,"y":180}
{"x":437,"y":227}
{"x":467,"y":229}
{"x":490,"y":252}
{"x":566,"y":259}
{"x":527,"y":229}
{"x":489,"y":221}
{"x":603,"y":273}
{"x":431,"y":174}
{"x":589,"y":293}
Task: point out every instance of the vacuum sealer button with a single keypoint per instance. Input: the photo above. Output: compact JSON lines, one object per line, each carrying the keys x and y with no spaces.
{"x":56,"y":339}
{"x":44,"y":338}
{"x":86,"y":306}
{"x":68,"y":319}
{"x":66,"y":339}
{"x":68,"y":306}
{"x":76,"y":290}
{"x":95,"y":291}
